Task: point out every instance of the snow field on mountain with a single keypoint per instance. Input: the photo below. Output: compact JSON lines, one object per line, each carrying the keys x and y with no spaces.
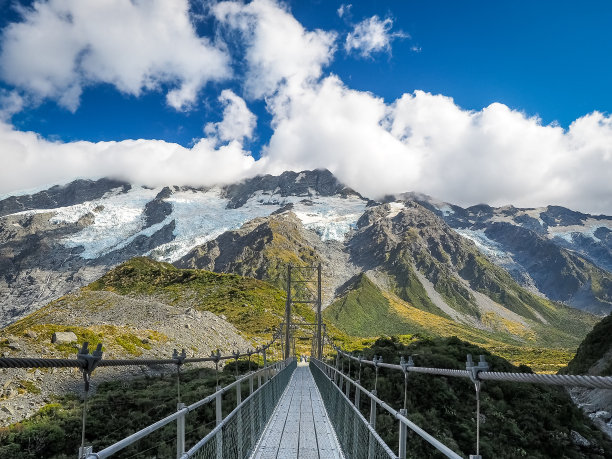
{"x":199,"y":216}
{"x":117,"y":217}
{"x":330,"y":217}
{"x":587,"y":229}
{"x":203,"y":216}
{"x":486,"y":245}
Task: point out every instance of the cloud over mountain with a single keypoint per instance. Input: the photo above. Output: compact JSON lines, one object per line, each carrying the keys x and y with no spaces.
{"x":420,"y":141}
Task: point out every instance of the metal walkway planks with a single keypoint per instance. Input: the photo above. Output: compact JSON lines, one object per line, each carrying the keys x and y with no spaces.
{"x":299,"y":427}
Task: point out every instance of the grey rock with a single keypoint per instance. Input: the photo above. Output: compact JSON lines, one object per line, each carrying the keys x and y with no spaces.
{"x":605,"y":416}
{"x":157,"y":210}
{"x":63,"y":337}
{"x":579,"y":440}
{"x":287,"y":184}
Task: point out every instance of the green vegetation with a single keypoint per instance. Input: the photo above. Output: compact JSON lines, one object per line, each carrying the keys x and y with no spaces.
{"x":117,"y":410}
{"x":364,"y":310}
{"x":109,"y":335}
{"x":28,"y":386}
{"x":595,"y":346}
{"x":253,"y":306}
{"x":445,"y":406}
{"x":408,"y":287}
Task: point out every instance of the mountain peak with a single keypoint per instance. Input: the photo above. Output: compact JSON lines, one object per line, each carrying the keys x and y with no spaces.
{"x":289,"y":183}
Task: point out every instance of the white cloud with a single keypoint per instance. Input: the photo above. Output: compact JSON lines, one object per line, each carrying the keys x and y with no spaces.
{"x":420,"y":142}
{"x":371,"y":36}
{"x":278,"y":48}
{"x":61,"y":46}
{"x":426,"y":143}
{"x":344,"y":9}
{"x":340,"y":129}
{"x":29,"y":161}
{"x":10,"y":103}
{"x":238,"y":121}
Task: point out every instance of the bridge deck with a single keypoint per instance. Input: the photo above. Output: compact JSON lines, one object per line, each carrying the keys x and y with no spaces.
{"x":299,"y":427}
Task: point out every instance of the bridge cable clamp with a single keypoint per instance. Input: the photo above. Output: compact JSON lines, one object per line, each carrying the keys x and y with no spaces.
{"x":474,"y":370}
{"x":180,"y":358}
{"x":91,"y":361}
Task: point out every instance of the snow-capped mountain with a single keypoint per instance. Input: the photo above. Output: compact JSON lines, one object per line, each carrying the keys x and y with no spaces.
{"x":55,"y":240}
{"x":562,"y":254}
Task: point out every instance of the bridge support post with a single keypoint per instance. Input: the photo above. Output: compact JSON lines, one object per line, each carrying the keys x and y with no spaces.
{"x":372,"y":440}
{"x":474,"y":371}
{"x":347,"y":407}
{"x":337,"y":366}
{"x":403,"y":433}
{"x":239,"y":420}
{"x":253,"y":410}
{"x":180,"y":432}
{"x":219,"y":419}
{"x":356,"y":422}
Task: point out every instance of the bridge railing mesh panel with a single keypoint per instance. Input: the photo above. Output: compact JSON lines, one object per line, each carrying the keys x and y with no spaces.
{"x":237,"y":435}
{"x":357,"y":439}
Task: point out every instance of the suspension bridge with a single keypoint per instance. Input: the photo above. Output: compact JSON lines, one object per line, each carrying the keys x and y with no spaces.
{"x":291,"y":409}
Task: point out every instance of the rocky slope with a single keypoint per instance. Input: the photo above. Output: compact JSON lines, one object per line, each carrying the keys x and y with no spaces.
{"x":140,"y":309}
{"x":400,"y":270}
{"x":263,"y":247}
{"x":55,"y":241}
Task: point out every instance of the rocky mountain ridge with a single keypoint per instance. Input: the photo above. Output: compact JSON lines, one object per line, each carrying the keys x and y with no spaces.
{"x":48,"y":251}
{"x":557,"y":252}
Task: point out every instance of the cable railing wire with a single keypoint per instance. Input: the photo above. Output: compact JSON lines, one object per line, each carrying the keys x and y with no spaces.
{"x":596,"y":382}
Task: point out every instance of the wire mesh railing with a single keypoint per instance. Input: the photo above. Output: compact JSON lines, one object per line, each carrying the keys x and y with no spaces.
{"x":357,"y":444}
{"x":236,"y":434}
{"x":476,"y":372}
{"x":357,"y":437}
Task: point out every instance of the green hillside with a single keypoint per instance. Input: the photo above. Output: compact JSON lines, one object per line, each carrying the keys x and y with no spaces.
{"x":366,"y":311}
{"x":253,"y":306}
{"x":595,"y":349}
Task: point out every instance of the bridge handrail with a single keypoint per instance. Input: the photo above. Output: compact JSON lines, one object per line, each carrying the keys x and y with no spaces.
{"x":121,"y":444}
{"x":396,"y":414}
{"x":598,"y":382}
{"x":225,"y":420}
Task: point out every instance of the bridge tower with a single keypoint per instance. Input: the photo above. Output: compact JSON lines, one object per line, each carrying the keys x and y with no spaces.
{"x":304,"y":276}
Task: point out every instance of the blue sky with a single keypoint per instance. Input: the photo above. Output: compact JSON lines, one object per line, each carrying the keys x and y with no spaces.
{"x":519,"y":74}
{"x":549,"y":59}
